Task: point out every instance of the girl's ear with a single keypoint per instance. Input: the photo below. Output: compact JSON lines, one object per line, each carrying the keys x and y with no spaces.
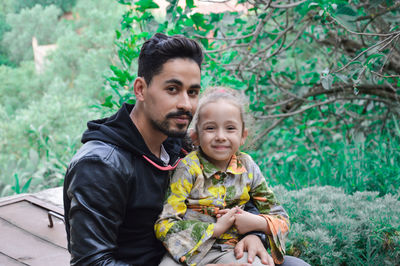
{"x":139,"y":88}
{"x":194,"y":136}
{"x":244,"y":136}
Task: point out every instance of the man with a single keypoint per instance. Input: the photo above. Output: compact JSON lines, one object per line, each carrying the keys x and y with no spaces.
{"x":115,"y":184}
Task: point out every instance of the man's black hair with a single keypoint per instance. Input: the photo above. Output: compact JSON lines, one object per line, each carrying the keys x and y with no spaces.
{"x":160,"y":48}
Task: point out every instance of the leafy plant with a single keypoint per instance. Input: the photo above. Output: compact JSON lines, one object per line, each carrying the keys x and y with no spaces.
{"x":330,"y":227}
{"x":17,"y":189}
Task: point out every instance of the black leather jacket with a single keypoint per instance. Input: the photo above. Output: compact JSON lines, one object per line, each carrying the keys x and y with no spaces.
{"x":113,"y":193}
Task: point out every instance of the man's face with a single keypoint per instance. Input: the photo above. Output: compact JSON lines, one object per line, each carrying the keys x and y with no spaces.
{"x":171,"y":98}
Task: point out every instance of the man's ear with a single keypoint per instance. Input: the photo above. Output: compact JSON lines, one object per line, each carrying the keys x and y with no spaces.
{"x":139,"y":88}
{"x":244,"y":136}
{"x":194,"y":136}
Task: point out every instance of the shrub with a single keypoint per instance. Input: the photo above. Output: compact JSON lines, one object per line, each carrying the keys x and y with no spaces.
{"x":65,"y":5}
{"x":41,"y":22}
{"x":329,"y":227}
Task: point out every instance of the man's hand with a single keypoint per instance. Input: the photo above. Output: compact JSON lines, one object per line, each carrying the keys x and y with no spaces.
{"x":246,"y":222}
{"x":230,"y":264}
{"x":253,"y":245}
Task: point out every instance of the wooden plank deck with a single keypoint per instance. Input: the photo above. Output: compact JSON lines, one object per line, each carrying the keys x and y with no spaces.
{"x":25,"y":235}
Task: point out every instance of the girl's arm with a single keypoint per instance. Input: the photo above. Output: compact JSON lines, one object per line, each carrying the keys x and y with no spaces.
{"x":247,"y":222}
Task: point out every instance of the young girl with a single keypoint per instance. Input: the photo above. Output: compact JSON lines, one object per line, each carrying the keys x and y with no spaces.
{"x":218,"y":179}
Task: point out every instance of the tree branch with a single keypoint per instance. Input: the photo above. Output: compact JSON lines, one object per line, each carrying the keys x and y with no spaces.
{"x":288,"y":5}
{"x":373,"y":16}
{"x":285,"y":115}
{"x":363,"y":33}
{"x":388,"y":40}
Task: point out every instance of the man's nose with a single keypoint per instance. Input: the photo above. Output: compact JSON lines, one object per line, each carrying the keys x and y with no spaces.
{"x":184,"y":102}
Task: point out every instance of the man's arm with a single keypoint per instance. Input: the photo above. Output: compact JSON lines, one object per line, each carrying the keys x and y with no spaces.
{"x":98,"y":195}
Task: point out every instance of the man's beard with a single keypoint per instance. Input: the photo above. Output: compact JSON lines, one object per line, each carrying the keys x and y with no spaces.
{"x":164,"y":126}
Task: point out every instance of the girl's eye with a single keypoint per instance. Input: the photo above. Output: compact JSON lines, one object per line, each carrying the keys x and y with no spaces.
{"x":209,"y":128}
{"x":230,"y":128}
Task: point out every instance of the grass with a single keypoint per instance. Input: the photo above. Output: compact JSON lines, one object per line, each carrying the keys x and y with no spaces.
{"x":371,"y":166}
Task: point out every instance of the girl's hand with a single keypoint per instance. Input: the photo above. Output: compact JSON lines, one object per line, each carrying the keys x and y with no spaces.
{"x":221,"y":213}
{"x":246,"y":222}
{"x":225,"y":220}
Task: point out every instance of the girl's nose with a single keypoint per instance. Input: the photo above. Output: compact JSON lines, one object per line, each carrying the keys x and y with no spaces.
{"x":220,"y":135}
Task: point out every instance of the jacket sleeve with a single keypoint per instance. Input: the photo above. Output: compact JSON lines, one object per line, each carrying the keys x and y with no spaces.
{"x":186,"y":238}
{"x":275,"y":215}
{"x":98,"y":195}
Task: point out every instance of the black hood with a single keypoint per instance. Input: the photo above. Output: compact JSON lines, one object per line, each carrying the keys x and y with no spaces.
{"x":119,"y":130}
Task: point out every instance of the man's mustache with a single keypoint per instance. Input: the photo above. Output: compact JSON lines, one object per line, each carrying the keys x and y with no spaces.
{"x":180,"y":113}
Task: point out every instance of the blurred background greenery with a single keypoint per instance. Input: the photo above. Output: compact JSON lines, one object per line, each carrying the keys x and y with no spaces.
{"x":42,"y":115}
{"x":322,"y":77}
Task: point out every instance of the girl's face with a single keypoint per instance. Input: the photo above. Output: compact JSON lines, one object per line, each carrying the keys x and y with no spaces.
{"x":220,"y":132}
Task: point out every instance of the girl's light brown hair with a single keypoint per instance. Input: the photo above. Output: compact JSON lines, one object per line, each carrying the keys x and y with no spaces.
{"x":214,"y":94}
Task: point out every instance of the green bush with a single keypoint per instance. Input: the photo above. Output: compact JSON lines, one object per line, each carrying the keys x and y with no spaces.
{"x":19,"y":86}
{"x":330,"y":227}
{"x":43,"y":116}
{"x":4,"y":27}
{"x":40,"y":139}
{"x":64,"y":5}
{"x":41,"y":22}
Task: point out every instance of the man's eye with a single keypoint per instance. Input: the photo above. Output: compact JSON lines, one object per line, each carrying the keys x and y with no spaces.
{"x":193,"y":92}
{"x":172,"y":89}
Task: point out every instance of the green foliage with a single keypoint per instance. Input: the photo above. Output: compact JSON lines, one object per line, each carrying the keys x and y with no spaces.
{"x":39,"y":139}
{"x":330,"y":227}
{"x":322,"y":82}
{"x":42,"y":116}
{"x":317,"y":126}
{"x":19,"y":86}
{"x":40,"y":22}
{"x":309,"y":155}
{"x":4,"y":27}
{"x":64,"y":5}
{"x":17,"y":189}
{"x":6,"y":6}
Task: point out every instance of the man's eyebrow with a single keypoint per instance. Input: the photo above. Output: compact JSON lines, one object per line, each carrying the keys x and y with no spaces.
{"x":178,"y":82}
{"x":174,"y":81}
{"x":195,"y":86}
